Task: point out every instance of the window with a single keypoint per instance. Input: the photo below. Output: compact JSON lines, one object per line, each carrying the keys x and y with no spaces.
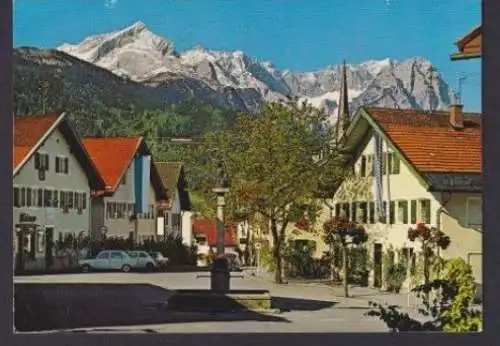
{"x":395,"y":164}
{"x":17,"y":199}
{"x":42,"y":161}
{"x":337,"y":210}
{"x":54,"y":201}
{"x":354,"y":211}
{"x":28,"y":197}
{"x":346,"y":212}
{"x":62,"y":164}
{"x":116,"y":255}
{"x":142,"y":255}
{"x":425,"y":211}
{"x":371,"y":210}
{"x":362,"y":168}
{"x":369,"y":165}
{"x":392,"y":212}
{"x":34,"y":197}
{"x":474,"y":212}
{"x":23,"y":196}
{"x":403,"y":212}
{"x":70,"y":200}
{"x":363,"y":212}
{"x":40,"y":198}
{"x":413,"y":212}
{"x":47,"y":198}
{"x":84,"y":200}
{"x":108,"y":210}
{"x":103,"y":255}
{"x":132,"y":254}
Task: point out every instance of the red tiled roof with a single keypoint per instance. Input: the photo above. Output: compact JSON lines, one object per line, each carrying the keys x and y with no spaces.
{"x":28,"y":130}
{"x":209,"y":229}
{"x":112,"y":156}
{"x":430,"y":143}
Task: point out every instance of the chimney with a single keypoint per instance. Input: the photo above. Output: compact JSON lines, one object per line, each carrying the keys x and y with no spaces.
{"x":457,"y":116}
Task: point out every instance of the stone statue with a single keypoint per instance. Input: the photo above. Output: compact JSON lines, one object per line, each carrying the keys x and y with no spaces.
{"x":223,"y":180}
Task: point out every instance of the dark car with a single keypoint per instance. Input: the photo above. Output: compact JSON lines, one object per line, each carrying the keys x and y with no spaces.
{"x":233,"y":262}
{"x":161,"y":261}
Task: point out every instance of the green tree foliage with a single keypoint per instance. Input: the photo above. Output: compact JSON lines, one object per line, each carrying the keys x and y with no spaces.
{"x":346,"y":233}
{"x":274,"y":165}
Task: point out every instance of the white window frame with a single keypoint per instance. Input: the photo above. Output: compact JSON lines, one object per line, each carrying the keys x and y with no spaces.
{"x":61,"y":163}
{"x":468,"y":199}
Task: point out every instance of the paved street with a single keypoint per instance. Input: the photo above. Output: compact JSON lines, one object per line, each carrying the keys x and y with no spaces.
{"x":136,"y":303}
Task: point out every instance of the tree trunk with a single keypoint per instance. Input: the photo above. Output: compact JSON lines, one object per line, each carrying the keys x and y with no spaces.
{"x":332,"y":263}
{"x":278,"y":278}
{"x":345,"y":268}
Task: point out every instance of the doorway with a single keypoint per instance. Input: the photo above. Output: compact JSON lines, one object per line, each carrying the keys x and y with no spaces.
{"x":377,"y":265}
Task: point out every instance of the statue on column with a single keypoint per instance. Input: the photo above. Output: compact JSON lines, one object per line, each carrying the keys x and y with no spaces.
{"x":223,"y":180}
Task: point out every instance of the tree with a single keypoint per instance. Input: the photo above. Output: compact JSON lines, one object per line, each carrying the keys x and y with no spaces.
{"x":341,"y":231}
{"x":274,"y":165}
{"x":432,"y":240}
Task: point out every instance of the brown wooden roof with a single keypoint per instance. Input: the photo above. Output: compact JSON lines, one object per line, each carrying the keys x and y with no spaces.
{"x":469,"y":46}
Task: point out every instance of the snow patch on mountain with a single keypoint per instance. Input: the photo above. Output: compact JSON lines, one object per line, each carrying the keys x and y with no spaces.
{"x":242,"y":81}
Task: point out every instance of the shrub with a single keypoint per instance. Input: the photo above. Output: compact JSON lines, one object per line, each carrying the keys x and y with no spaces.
{"x":451,"y":309}
{"x":396,"y":275}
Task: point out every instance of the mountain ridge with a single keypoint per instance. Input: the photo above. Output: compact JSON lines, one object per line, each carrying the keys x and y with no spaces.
{"x":238,"y":81}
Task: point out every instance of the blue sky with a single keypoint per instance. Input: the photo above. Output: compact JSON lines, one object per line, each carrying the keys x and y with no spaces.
{"x":302,"y":35}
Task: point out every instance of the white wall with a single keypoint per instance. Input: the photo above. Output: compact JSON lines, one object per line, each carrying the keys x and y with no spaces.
{"x":76,"y":181}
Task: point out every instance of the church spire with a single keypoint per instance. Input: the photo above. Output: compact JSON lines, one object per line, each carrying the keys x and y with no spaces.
{"x":343,"y":117}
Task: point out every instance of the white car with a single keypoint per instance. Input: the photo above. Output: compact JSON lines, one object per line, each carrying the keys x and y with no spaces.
{"x":143,"y":260}
{"x":108,"y":260}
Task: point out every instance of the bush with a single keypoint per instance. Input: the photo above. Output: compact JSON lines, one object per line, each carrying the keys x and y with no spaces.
{"x":396,"y":275}
{"x":451,"y":309}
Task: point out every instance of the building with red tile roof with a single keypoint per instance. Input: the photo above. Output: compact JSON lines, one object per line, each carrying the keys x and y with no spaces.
{"x":207,"y":230}
{"x":415,"y":166}
{"x":115,"y":207}
{"x":53,"y":176}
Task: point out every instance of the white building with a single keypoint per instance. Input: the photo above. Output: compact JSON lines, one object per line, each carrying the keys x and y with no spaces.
{"x":53,"y":176}
{"x":430,"y":171}
{"x":128,"y":206}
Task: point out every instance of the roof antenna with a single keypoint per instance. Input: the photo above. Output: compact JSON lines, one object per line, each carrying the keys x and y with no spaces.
{"x":458,"y":95}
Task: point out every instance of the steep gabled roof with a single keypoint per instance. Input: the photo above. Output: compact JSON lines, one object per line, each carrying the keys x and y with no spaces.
{"x":172,"y":177}
{"x":113,"y":156}
{"x":427,"y":142}
{"x":30,"y":132}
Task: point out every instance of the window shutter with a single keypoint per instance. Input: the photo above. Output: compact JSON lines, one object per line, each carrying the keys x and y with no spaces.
{"x":16,"y":197}
{"x":372,"y":212}
{"x":362,"y":169}
{"x":40,"y":198}
{"x":403,"y":212}
{"x":66,"y":165}
{"x":23,"y":196}
{"x":58,"y":165}
{"x":46,"y":159}
{"x":390,"y":160}
{"x":392,"y":212}
{"x":396,"y":164}
{"x":28,"y":197}
{"x":354,"y":208}
{"x":84,"y":204}
{"x":37,"y":160}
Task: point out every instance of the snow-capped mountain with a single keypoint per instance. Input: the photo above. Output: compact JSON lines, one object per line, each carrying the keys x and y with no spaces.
{"x":235,"y":80}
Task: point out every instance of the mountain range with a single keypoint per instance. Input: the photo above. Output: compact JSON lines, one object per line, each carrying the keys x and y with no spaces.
{"x":237,"y":81}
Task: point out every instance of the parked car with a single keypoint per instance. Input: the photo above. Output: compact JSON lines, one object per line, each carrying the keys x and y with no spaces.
{"x":233,"y":262}
{"x":108,"y":260}
{"x":143,"y":260}
{"x":161,"y":261}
